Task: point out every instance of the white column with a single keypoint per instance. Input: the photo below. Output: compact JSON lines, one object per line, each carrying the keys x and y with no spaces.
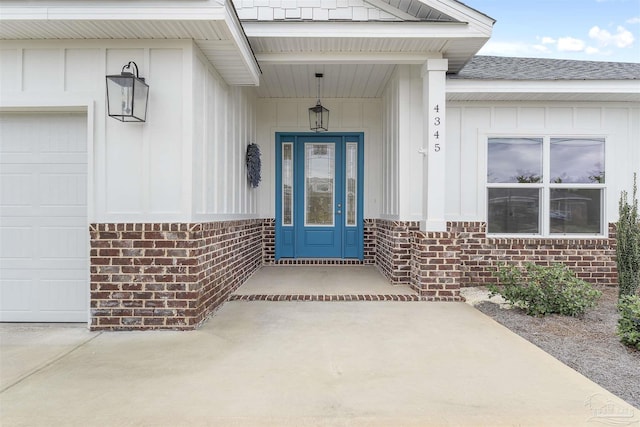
{"x":434,"y":148}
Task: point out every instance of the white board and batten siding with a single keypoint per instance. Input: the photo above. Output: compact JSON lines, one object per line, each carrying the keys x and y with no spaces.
{"x":137,"y":172}
{"x":402,"y":163}
{"x":44,"y":238}
{"x":469,"y":125}
{"x":224,"y":125}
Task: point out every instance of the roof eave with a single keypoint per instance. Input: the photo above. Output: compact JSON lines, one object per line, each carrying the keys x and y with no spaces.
{"x":518,"y":90}
{"x":27,"y":20}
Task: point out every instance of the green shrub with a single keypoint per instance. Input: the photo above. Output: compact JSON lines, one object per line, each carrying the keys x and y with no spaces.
{"x":629,"y":322}
{"x":541,"y":290}
{"x":628,"y":244}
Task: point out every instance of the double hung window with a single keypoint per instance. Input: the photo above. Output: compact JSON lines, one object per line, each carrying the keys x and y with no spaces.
{"x":545,"y":186}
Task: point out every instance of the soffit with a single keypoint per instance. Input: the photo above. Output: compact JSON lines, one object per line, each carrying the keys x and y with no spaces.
{"x":339,"y":81}
{"x":419,"y":29}
{"x":213,"y":26}
{"x":535,"y":96}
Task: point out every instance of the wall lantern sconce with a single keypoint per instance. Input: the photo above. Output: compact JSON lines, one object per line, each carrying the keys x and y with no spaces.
{"x":127,"y":95}
{"x":318,"y":115}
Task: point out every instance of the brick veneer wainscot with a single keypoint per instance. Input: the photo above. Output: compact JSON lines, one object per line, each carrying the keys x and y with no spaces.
{"x":393,"y":254}
{"x":168,"y":276}
{"x":172,"y":276}
{"x":592,"y":259}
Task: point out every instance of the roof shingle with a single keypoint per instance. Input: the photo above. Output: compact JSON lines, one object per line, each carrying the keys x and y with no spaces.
{"x":510,"y":68}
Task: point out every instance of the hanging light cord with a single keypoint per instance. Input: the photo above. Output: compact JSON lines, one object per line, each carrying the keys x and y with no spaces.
{"x":319,"y":79}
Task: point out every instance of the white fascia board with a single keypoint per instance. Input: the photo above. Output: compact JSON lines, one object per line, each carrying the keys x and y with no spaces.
{"x":347,"y":58}
{"x":386,"y":7}
{"x":462,"y":12}
{"x":113,"y":10}
{"x":543,"y":86}
{"x":242,"y":43}
{"x":128,"y":13}
{"x":373,"y":30}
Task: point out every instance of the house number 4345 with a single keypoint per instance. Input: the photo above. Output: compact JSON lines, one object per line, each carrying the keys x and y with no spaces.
{"x":436,"y":123}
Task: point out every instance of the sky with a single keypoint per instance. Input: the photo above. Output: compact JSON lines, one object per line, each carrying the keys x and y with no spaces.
{"x":593,"y":30}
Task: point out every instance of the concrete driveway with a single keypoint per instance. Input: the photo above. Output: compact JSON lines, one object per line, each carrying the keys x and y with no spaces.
{"x":298,"y":364}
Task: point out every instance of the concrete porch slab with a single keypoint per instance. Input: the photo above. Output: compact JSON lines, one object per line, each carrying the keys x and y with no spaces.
{"x":312,"y":364}
{"x":321,"y":280}
{"x":26,"y":348}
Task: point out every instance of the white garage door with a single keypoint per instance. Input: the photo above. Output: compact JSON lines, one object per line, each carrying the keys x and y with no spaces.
{"x":44,"y":237}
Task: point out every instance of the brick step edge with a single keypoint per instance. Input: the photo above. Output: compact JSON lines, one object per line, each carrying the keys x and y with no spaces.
{"x":334,"y":298}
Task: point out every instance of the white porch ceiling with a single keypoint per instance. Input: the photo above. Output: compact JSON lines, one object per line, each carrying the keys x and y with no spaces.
{"x":357,"y":60}
{"x":339,"y":81}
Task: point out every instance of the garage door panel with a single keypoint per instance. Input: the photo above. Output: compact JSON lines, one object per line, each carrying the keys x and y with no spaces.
{"x":16,"y":243}
{"x":17,"y":187}
{"x":66,"y":190}
{"x":46,"y":133}
{"x":15,"y":294}
{"x":44,"y":237}
{"x":63,"y":243}
{"x":63,"y":294}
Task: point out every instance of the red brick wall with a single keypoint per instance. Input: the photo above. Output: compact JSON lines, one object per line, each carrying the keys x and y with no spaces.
{"x":393,"y":248}
{"x":435,"y":266}
{"x":172,"y":276}
{"x":593,"y":260}
{"x":370,"y":245}
{"x":168,"y":276}
{"x":268,"y":241}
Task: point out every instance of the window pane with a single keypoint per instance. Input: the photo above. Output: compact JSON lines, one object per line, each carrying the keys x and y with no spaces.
{"x":514,"y":210}
{"x":287,"y":184}
{"x":514,"y":160}
{"x":577,"y":160}
{"x":351,"y":183}
{"x":575,"y":210}
{"x":319,"y":182}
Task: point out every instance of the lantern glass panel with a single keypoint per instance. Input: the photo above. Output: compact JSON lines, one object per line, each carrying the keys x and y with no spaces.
{"x":140,"y":95}
{"x":127,"y":98}
{"x":318,"y":118}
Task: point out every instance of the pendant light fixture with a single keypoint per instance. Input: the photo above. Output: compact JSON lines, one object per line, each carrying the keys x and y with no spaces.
{"x":318,"y":115}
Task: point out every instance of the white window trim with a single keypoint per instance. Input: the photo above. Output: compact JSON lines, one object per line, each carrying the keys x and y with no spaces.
{"x":546,"y":135}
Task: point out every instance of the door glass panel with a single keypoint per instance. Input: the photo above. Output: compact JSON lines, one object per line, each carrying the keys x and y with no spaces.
{"x":319,"y":170}
{"x":287,"y":184}
{"x":351,"y":201}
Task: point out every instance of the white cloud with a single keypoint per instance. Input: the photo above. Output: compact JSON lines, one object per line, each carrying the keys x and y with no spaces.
{"x":548,"y":40}
{"x":541,"y":48}
{"x":570,"y":44}
{"x":622,"y":38}
{"x":634,"y":20}
{"x":505,"y":48}
{"x":590,"y":50}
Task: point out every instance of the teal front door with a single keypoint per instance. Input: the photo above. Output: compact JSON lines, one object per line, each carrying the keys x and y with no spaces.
{"x":319,"y":197}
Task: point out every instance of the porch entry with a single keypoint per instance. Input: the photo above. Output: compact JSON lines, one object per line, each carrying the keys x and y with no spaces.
{"x":319,"y":181}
